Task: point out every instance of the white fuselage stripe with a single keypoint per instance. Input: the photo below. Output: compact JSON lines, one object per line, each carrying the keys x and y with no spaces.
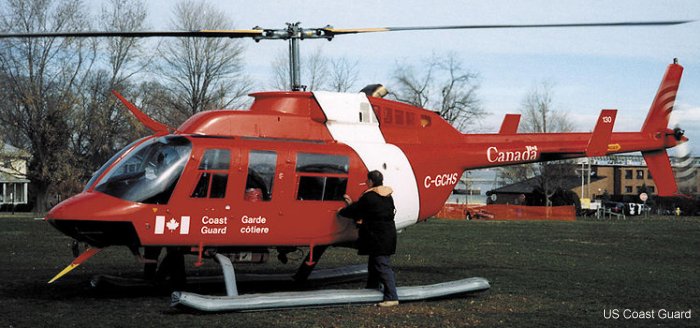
{"x":350,"y":122}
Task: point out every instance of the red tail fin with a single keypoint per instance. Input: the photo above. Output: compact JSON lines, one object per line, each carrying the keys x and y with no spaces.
{"x":660,"y":111}
{"x":660,"y":168}
{"x":656,"y":125}
{"x":510,"y":124}
{"x":155,"y":126}
{"x":600,"y":138}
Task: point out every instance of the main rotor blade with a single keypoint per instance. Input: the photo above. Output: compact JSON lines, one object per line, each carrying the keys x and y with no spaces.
{"x":327,"y":32}
{"x":141,"y":34}
{"x":338,"y":31}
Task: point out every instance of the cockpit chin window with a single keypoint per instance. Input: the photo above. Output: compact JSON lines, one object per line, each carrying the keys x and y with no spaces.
{"x":150,"y":172}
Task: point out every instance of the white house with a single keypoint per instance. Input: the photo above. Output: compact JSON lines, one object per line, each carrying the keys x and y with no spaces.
{"x":13,"y":175}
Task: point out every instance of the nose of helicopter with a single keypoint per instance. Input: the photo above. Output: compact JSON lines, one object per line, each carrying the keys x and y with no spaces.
{"x":95,"y":218}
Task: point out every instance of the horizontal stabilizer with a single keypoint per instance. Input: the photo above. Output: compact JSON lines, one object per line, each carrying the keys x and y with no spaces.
{"x":660,"y":168}
{"x":510,"y":124}
{"x":600,"y":138}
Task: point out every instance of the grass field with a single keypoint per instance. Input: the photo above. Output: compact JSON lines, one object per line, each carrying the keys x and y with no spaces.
{"x":543,"y":274}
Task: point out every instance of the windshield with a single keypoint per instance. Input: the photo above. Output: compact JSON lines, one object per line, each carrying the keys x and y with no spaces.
{"x":105,"y":166}
{"x":150,"y":172}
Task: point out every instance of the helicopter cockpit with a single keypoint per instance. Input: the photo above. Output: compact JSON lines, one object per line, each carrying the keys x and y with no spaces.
{"x":149,"y":173}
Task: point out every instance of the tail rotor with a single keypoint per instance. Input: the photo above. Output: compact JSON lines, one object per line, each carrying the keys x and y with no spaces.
{"x":685,"y":168}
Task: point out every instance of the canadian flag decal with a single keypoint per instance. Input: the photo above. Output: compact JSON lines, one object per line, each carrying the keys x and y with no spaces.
{"x":172,"y":225}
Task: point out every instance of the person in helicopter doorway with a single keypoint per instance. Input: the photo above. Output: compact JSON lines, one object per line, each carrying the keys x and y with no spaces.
{"x":374,"y":215}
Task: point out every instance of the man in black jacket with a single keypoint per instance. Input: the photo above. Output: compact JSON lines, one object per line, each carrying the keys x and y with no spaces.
{"x":374,"y":214}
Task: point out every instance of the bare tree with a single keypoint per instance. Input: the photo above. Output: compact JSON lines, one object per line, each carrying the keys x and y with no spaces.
{"x":280,"y":72}
{"x":40,"y":75}
{"x":412,"y":87}
{"x":319,"y":72}
{"x":316,"y":67}
{"x":539,"y":115}
{"x":202,"y":73}
{"x":125,"y":16}
{"x":343,"y":74}
{"x":102,"y":126}
{"x":441,"y":84}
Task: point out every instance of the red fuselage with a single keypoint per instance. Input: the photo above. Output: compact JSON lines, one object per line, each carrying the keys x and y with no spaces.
{"x":275,"y":175}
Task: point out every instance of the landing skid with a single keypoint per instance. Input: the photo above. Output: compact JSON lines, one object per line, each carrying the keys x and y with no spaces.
{"x":252,"y":302}
{"x":281,"y":300}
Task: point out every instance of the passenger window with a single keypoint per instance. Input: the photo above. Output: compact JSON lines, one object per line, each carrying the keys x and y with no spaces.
{"x":218,"y":185}
{"x":322,"y":163}
{"x":261,"y":174}
{"x":215,"y":159}
{"x":321,"y":176}
{"x":200,"y":190}
{"x":321,"y":188}
{"x":213,"y":176}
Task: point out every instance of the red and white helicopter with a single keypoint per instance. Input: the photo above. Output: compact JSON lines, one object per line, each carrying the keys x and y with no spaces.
{"x":274,"y":176}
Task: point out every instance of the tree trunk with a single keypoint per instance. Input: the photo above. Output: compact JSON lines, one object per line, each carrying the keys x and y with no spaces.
{"x":42,"y":203}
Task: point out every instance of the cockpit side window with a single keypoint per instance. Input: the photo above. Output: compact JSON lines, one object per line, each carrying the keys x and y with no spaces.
{"x":213,"y":174}
{"x":261,"y":175}
{"x":321,"y":176}
{"x":150,"y":172}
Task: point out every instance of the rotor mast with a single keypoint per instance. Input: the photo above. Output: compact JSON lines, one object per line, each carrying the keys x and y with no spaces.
{"x":294,"y":33}
{"x":294,"y":62}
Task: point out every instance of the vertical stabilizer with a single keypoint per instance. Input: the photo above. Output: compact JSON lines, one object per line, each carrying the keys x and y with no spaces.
{"x":655,"y":126}
{"x":660,"y":168}
{"x":660,"y":111}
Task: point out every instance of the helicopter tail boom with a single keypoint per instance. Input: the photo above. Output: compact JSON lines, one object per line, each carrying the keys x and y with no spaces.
{"x":508,"y":147}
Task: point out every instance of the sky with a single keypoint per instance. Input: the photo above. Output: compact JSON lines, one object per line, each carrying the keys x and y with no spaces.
{"x":590,"y":68}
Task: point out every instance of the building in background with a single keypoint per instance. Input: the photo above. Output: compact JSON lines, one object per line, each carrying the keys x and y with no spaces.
{"x":472,"y":187}
{"x":628,"y":176}
{"x":14,"y":184}
{"x":621,"y":177}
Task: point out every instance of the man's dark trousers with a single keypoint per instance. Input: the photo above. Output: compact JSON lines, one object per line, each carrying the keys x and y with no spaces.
{"x":379,"y":271}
